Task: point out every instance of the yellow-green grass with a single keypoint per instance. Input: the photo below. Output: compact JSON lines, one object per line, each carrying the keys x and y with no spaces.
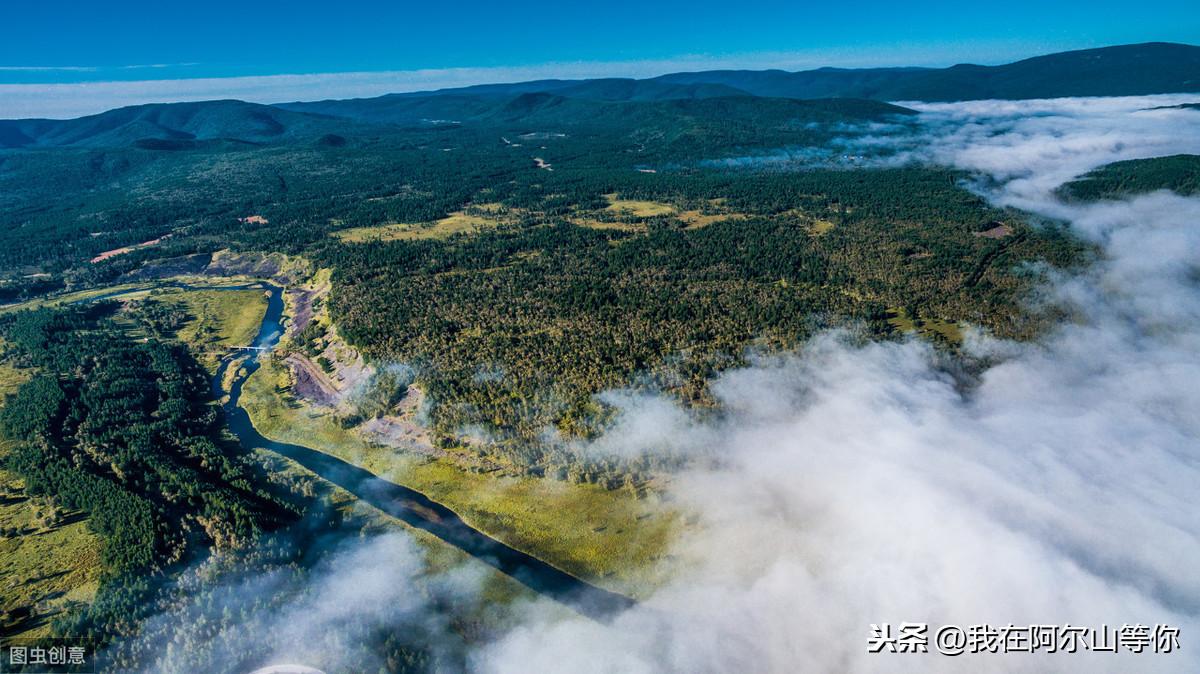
{"x":76,"y":296}
{"x":458,"y":222}
{"x":608,"y":537}
{"x":43,"y":570}
{"x":819,"y":227}
{"x":218,"y":319}
{"x":638,"y":208}
{"x":619,"y":211}
{"x":494,"y":588}
{"x":596,"y":223}
{"x":11,"y":378}
{"x":929,"y":328}
{"x":123,"y":291}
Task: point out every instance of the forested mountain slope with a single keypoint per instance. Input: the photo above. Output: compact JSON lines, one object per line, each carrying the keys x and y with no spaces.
{"x":1126,"y":70}
{"x":1179,"y":173}
{"x":168,"y":126}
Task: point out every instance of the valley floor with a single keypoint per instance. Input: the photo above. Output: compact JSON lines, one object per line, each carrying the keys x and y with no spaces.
{"x":608,"y":537}
{"x":613,"y":539}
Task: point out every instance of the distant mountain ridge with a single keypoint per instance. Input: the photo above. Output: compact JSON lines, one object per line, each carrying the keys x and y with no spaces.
{"x":1150,"y":68}
{"x":185,"y":126}
{"x":168,"y":126}
{"x":1126,"y":70}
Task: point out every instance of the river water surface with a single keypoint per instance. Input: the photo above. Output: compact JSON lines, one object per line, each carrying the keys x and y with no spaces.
{"x":408,"y":505}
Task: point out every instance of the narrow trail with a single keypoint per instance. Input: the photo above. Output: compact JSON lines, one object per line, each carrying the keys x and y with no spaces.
{"x":407,"y":505}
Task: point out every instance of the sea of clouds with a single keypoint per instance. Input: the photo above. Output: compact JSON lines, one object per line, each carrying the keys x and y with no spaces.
{"x":864,"y":485}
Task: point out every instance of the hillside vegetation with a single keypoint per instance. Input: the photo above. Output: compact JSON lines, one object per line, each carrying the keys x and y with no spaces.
{"x":1179,"y":173}
{"x":122,"y":430}
{"x":515,"y":329}
{"x":1125,"y":70}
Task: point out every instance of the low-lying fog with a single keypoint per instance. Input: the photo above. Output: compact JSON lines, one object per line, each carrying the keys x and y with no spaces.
{"x":860,"y":485}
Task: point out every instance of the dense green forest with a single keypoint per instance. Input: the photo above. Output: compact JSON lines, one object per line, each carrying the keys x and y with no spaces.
{"x":762,"y":228}
{"x":122,"y":429}
{"x":61,"y":205}
{"x":1179,"y":173}
{"x":231,"y":613}
{"x":504,"y":255}
{"x":118,"y":424}
{"x":514,"y":329}
{"x":1124,"y":70}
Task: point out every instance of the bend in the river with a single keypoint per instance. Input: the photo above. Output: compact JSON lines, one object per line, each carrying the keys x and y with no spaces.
{"x":408,"y":505}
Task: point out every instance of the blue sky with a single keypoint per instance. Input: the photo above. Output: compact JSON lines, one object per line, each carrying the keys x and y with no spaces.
{"x":47,"y":51}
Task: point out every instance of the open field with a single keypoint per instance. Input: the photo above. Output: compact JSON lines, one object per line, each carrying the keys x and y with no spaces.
{"x":638,"y":208}
{"x":819,"y":227}
{"x":11,"y":378}
{"x":362,"y":516}
{"x":45,"y":564}
{"x":218,"y":319}
{"x":139,"y":289}
{"x":625,"y":214}
{"x":460,"y":222}
{"x":44,"y":567}
{"x":607,"y":537}
{"x":695,"y":219}
{"x":75,"y":296}
{"x":929,"y":328}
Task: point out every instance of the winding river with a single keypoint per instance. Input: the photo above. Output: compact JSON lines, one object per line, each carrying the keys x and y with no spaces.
{"x":408,"y":505}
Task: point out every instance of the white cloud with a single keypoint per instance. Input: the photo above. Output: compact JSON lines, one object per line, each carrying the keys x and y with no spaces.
{"x":862,"y":484}
{"x":73,"y":99}
{"x":329,"y":616}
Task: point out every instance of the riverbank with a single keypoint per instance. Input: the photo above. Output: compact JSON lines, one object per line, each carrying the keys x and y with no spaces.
{"x":608,"y":537}
{"x":613,"y":540}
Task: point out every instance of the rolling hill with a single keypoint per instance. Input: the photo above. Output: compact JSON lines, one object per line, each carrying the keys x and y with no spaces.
{"x":1150,"y":68}
{"x":186,"y":126}
{"x":1179,"y":173}
{"x":169,"y":126}
{"x":455,"y":105}
{"x":1128,"y":70}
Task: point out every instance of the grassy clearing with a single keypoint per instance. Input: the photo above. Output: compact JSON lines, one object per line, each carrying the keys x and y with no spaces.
{"x":638,"y":208}
{"x":819,"y":227}
{"x":696,"y":219}
{"x":495,"y":587}
{"x":11,"y":378}
{"x":596,"y":223}
{"x":219,"y":319}
{"x":604,"y":536}
{"x":124,"y":291}
{"x":929,"y":328}
{"x":47,"y":564}
{"x":44,"y":568}
{"x":478,"y":219}
{"x":75,"y":296}
{"x":626,"y":214}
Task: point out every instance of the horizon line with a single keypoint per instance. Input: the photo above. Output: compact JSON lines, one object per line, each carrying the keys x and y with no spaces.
{"x":70,"y":100}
